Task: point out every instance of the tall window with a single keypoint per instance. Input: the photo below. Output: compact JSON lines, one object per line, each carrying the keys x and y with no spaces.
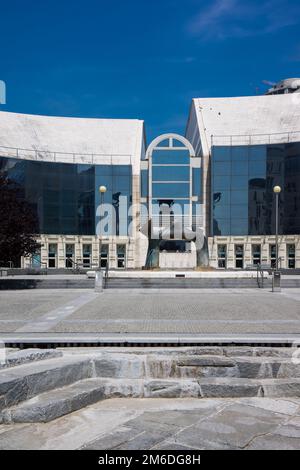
{"x":239,"y":256}
{"x":290,"y":253}
{"x":272,"y":253}
{"x":256,"y":254}
{"x":52,"y":255}
{"x":104,"y":254}
{"x":121,"y":256}
{"x":222,"y":256}
{"x":70,"y":255}
{"x":174,"y":181}
{"x":86,"y":255}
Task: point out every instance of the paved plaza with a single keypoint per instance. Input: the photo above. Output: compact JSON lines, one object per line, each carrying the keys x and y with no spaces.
{"x":190,"y":312}
{"x":181,"y":424}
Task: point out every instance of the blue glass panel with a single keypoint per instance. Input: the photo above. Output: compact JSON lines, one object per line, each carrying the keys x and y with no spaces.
{"x":171,"y":173}
{"x":222,"y":211}
{"x":221,"y":226}
{"x":240,"y":167}
{"x":239,"y":197}
{"x":240,"y":153}
{"x":144,"y":183}
{"x":257,"y":169}
{"x":239,"y":211}
{"x":239,"y":226}
{"x":221,"y":182}
{"x":196,"y":178}
{"x":222,"y":168}
{"x":170,"y":190}
{"x":171,"y":156}
{"x":258,"y":152}
{"x":221,"y":197}
{"x":239,"y":182}
{"x":221,"y":153}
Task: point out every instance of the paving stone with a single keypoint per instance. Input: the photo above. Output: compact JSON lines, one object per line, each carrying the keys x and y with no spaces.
{"x":177,"y":418}
{"x":283,"y":407}
{"x":113,"y":440}
{"x":144,"y":440}
{"x":274,"y":442}
{"x":169,"y":445}
{"x":232,"y":427}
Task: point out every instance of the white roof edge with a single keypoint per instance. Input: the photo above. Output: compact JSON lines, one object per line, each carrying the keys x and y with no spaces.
{"x":256,"y":118}
{"x":56,"y":138}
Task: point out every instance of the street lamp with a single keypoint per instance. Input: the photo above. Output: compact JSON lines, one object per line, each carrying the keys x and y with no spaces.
{"x":102,"y":191}
{"x":277,"y":191}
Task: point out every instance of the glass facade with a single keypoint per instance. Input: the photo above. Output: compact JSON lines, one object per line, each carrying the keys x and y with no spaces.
{"x":243,"y":178}
{"x":65,"y":196}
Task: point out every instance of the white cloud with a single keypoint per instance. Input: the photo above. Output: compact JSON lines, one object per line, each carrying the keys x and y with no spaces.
{"x":239,"y":18}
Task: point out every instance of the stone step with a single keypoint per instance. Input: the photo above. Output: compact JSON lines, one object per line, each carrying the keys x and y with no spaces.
{"x":23,"y":382}
{"x":130,"y":366}
{"x":49,"y":283}
{"x":56,"y":403}
{"x":16,"y":358}
{"x":194,"y":283}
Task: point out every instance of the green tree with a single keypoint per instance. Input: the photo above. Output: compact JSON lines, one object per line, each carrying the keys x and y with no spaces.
{"x":18,"y":224}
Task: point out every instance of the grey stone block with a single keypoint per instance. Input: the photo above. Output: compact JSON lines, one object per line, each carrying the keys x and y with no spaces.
{"x":120,"y":367}
{"x":188,"y":372}
{"x":172,"y":389}
{"x":281,"y":388}
{"x":51,"y":405}
{"x":288,"y":369}
{"x":24,"y":356}
{"x":60,"y":376}
{"x":229,"y":387}
{"x":202,"y":361}
{"x":12,"y":390}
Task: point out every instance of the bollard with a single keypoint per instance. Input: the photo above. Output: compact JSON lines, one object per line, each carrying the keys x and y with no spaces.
{"x":98,"y":281}
{"x":276,"y":281}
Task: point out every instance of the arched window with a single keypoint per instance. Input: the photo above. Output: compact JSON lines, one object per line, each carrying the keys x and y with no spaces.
{"x":174,"y":179}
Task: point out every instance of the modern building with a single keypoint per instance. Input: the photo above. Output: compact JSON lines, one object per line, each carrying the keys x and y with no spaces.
{"x":182,"y":202}
{"x":247,"y":146}
{"x":60,"y":164}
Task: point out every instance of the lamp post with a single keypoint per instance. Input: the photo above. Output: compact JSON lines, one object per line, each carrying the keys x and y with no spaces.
{"x":102,"y":191}
{"x":277,"y":191}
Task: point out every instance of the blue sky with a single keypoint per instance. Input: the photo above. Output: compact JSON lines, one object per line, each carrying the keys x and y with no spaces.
{"x":142,"y":59}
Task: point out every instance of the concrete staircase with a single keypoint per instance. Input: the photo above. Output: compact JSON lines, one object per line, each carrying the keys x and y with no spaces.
{"x":42,"y":385}
{"x":194,"y":283}
{"x":127,"y":283}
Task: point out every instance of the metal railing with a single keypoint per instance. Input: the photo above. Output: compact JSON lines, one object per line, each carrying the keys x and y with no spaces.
{"x":255,"y":139}
{"x":67,"y":157}
{"x":42,"y":264}
{"x":10,"y":265}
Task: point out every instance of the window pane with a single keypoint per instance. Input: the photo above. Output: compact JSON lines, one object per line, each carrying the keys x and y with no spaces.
{"x":171,"y":156}
{"x":170,"y":190}
{"x":171,"y":173}
{"x":221,"y":154}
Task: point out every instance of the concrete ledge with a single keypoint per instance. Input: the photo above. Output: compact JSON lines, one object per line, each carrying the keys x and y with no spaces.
{"x":144,"y":274}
